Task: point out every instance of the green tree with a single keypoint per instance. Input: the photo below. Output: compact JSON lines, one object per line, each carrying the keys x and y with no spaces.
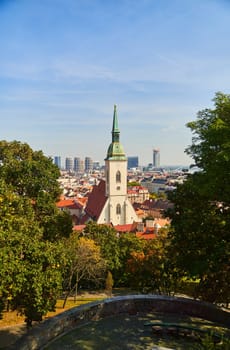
{"x":115,"y":249}
{"x":149,"y":268}
{"x":201,"y":215}
{"x":106,"y":237}
{"x":29,"y":172}
{"x":128,"y":243}
{"x":31,"y":229}
{"x":133,"y":183}
{"x":84,"y":263}
{"x":32,"y":175}
{"x":30,"y":276}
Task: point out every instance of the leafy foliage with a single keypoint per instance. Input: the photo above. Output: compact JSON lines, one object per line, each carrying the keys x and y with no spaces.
{"x":150,"y":270}
{"x":84,"y":262}
{"x":32,"y":175}
{"x":109,"y":283}
{"x":201,"y":214}
{"x":106,"y":237}
{"x":30,"y":224}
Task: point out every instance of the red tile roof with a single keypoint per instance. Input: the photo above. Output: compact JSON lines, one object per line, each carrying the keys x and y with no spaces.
{"x":145,"y":235}
{"x":124,"y":228}
{"x":65,"y":203}
{"x":96,"y":201}
{"x":79,"y":227}
{"x":69,"y":203}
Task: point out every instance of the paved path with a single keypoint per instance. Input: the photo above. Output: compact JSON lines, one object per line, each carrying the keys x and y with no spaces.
{"x":9,"y":335}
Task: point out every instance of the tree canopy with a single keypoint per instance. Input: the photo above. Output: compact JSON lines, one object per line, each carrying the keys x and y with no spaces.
{"x":31,"y":228}
{"x":32,"y":175}
{"x":201,"y":215}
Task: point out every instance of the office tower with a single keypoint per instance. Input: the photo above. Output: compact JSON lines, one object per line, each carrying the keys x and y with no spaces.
{"x":57,"y":161}
{"x":132,"y":162}
{"x":69,"y":164}
{"x":78,"y":165}
{"x":156,"y":158}
{"x":96,"y":165}
{"x":88,"y":164}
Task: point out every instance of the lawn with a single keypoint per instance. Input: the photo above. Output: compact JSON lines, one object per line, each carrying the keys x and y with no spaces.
{"x":13,"y":318}
{"x":12,"y":325}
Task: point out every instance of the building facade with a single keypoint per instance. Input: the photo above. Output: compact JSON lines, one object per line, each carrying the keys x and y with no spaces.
{"x":133,"y":162}
{"x":57,"y":161}
{"x":78,"y":165}
{"x":69,"y":164}
{"x":156,"y":158}
{"x":88,"y":164}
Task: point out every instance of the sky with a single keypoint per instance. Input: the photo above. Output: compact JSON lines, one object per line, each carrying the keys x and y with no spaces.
{"x":65,"y":63}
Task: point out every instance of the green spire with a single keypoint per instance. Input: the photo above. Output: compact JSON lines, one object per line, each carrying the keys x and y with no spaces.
{"x":115,"y":130}
{"x":115,"y":150}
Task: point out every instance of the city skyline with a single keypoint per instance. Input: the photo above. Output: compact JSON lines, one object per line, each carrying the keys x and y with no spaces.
{"x":65,"y":63}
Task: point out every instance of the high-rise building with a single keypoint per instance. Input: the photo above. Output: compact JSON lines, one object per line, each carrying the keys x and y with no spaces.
{"x":57,"y":161}
{"x":156,"y":158}
{"x":88,"y":164}
{"x":133,"y":162}
{"x":96,"y":165}
{"x":69,"y":164}
{"x":78,"y":165}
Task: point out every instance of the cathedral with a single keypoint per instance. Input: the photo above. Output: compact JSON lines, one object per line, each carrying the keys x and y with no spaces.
{"x":108,"y":203}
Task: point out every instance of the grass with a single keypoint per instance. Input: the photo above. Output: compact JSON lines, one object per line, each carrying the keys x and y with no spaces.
{"x":12,"y":318}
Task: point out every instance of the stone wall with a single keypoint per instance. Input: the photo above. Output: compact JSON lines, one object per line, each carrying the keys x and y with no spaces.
{"x":51,"y":328}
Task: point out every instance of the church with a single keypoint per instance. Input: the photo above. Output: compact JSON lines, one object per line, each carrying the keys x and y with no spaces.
{"x":108,"y":202}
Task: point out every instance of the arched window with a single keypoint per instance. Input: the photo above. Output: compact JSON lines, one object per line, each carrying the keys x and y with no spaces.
{"x":118,"y":176}
{"x":118,"y":209}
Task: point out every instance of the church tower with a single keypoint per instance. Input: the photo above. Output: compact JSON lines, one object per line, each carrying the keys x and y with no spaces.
{"x":116,"y":164}
{"x":117,"y":210}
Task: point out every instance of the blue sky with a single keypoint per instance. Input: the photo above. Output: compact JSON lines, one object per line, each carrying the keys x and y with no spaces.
{"x":65,"y":63}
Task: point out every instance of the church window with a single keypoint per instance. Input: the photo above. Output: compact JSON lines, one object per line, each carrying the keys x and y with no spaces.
{"x":118,"y":176}
{"x":118,"y":209}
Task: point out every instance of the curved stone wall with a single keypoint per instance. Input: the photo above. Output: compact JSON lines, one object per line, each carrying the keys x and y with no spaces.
{"x":48,"y":330}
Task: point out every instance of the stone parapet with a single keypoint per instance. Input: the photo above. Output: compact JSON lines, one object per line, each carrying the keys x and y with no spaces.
{"x":39,"y":336}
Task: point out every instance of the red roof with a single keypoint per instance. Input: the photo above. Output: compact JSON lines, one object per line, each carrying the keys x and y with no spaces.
{"x":145,"y":235}
{"x":124,"y":228}
{"x":79,"y":227}
{"x":65,"y":203}
{"x":68,"y":203}
{"x":96,"y":201}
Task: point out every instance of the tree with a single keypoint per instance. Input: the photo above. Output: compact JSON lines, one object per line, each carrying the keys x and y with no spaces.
{"x":150,"y":270}
{"x":106,"y":237}
{"x":30,"y":276}
{"x":109,"y":283}
{"x":133,"y":183}
{"x":29,"y":172}
{"x":128,"y":243}
{"x":32,"y":175}
{"x":84,"y":263}
{"x":31,"y":229}
{"x":115,"y":249}
{"x":200,"y":223}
